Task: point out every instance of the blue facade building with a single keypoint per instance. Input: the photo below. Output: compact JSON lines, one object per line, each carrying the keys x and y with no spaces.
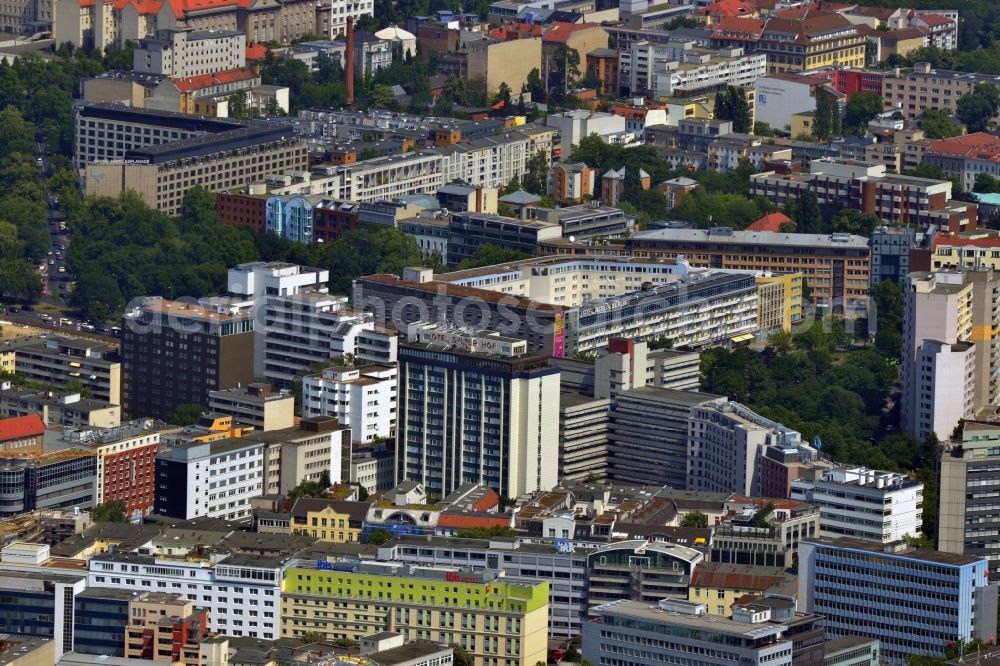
{"x":99,"y":620}
{"x":40,"y":604}
{"x":290,"y":217}
{"x":915,"y":601}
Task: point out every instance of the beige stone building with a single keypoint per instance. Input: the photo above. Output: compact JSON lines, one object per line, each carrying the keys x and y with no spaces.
{"x":509,"y":62}
{"x":163,"y":174}
{"x":928,"y":88}
{"x":316,"y":446}
{"x":164,"y":627}
{"x":256,"y":405}
{"x":102,"y":23}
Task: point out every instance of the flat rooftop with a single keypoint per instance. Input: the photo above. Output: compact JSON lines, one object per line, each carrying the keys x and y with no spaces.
{"x":922,"y":554}
{"x":183,"y":310}
{"x":711,"y":623}
{"x":729,"y":236}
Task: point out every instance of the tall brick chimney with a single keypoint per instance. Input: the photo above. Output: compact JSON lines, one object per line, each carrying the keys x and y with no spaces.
{"x":349,"y":61}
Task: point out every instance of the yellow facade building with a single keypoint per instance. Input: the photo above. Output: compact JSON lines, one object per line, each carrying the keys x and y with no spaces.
{"x":498,"y":621}
{"x":779,"y":301}
{"x":498,"y":61}
{"x":718,"y":585}
{"x":823,"y":39}
{"x":328,"y":520}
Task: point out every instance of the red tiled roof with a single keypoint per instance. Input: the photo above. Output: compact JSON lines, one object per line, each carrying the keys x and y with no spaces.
{"x":738,"y":25}
{"x":796,"y":12}
{"x":256,"y":51}
{"x":727,"y":8}
{"x":880,"y":13}
{"x":489,"y":500}
{"x":191,"y":83}
{"x":770,"y":222}
{"x":730,"y":579}
{"x":20,"y":427}
{"x":516,"y":31}
{"x":934,"y":19}
{"x":179,"y":7}
{"x":958,"y":241}
{"x":905,"y":33}
{"x":471,"y":521}
{"x":559,"y":32}
{"x":979,"y":146}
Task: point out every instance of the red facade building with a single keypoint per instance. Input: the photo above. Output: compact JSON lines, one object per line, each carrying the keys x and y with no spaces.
{"x":242,"y":210}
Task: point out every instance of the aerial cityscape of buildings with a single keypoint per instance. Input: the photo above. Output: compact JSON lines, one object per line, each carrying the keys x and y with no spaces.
{"x":523,"y":332}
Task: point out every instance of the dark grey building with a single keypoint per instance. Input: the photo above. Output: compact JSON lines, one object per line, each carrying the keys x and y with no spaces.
{"x":468,"y":231}
{"x":649,"y":435}
{"x":56,"y":480}
{"x":589,"y":220}
{"x":891,"y":253}
{"x":175,"y":353}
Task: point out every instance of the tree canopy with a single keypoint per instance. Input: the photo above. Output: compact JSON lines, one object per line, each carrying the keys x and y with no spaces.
{"x":938,"y":124}
{"x":861,"y":107}
{"x":490,"y":255}
{"x":977,"y":109}
{"x":307,"y":488}
{"x":732,"y":104}
{"x":110,"y":512}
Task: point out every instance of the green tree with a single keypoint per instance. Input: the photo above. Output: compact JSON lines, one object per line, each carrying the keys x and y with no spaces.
{"x":808,"y":214}
{"x":310,"y":637}
{"x":854,"y":222}
{"x":938,"y":124}
{"x":19,"y":280}
{"x":535,"y":85}
{"x":187,"y":414}
{"x":536,"y":173}
{"x":239,"y":105}
{"x":861,"y":108}
{"x":632,"y":186}
{"x":307,"y":488}
{"x":732,"y":104}
{"x":16,"y":134}
{"x":461,"y":656}
{"x":986,"y":183}
{"x":383,"y":98}
{"x":888,"y":299}
{"x":379,"y":537}
{"x":490,"y":255}
{"x":661,"y":342}
{"x":565,"y":69}
{"x":694,"y":519}
{"x":977,"y":109}
{"x":919,"y":541}
{"x":110,"y":512}
{"x":823,"y":118}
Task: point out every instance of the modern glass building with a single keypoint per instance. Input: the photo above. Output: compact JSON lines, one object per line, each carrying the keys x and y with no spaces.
{"x":915,"y":601}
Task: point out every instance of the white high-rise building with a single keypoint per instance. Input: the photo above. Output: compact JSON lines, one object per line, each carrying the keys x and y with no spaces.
{"x":864,"y":503}
{"x":215,"y":479}
{"x":476,"y":408}
{"x":360,"y":398}
{"x":184,"y":53}
{"x":341,"y":10}
{"x":242,"y":593}
{"x":298,"y":324}
{"x":951,"y":346}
